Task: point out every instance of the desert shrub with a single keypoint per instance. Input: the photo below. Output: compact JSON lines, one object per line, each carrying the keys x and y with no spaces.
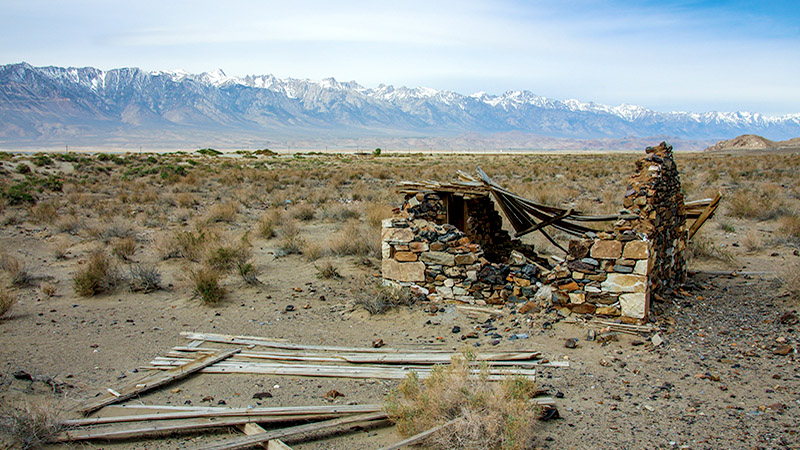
{"x":291,"y":242}
{"x":60,"y":247}
{"x":48,"y":290}
{"x":790,"y":279}
{"x":31,"y":425}
{"x":225,"y":257}
{"x":339,"y":213}
{"x":44,"y":212}
{"x":304,"y":212}
{"x":98,"y":275}
{"x":68,"y":224}
{"x":16,"y":270}
{"x":206,"y":285}
{"x":355,"y":239}
{"x":378,"y":298}
{"x":727,"y":227}
{"x":123,"y":248}
{"x":376,"y":212}
{"x":247,"y":270}
{"x":186,"y":200}
{"x":490,"y":415}
{"x":117,"y":228}
{"x":790,"y":227}
{"x":20,"y":193}
{"x":312,"y":251}
{"x":185,"y":244}
{"x":267,"y":223}
{"x":703,"y":248}
{"x":23,"y":168}
{"x":145,"y":278}
{"x":759,"y":204}
{"x":209,"y":152}
{"x":7,"y":301}
{"x":222,"y":212}
{"x":327,"y":271}
{"x":40,"y":160}
{"x":753,"y":241}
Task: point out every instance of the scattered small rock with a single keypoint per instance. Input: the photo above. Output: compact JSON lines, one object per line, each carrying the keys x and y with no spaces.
{"x":378,"y":343}
{"x":332,"y":395}
{"x":262,"y":395}
{"x":289,"y":308}
{"x":571,"y":343}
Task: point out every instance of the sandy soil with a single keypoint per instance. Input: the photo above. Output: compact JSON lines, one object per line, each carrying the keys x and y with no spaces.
{"x":714,"y":383}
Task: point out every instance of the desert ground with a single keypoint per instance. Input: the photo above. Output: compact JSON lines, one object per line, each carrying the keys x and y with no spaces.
{"x":107,"y":258}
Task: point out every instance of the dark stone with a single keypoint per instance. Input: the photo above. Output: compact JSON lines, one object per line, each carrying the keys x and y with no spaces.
{"x":262,"y":395}
{"x":578,"y":249}
{"x":491,"y":274}
{"x":456,"y":329}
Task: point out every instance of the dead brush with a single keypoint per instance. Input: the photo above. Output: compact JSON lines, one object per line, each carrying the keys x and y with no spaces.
{"x":789,"y":277}
{"x":68,"y":224}
{"x":222,"y":212}
{"x":31,"y":425}
{"x":97,"y":276}
{"x":16,"y":270}
{"x":7,"y":301}
{"x":327,"y":271}
{"x":377,"y":298}
{"x":44,"y":212}
{"x":291,"y":242}
{"x":376,"y":212}
{"x":145,"y":278}
{"x":790,"y":227}
{"x":267,"y":223}
{"x":355,"y":238}
{"x":123,"y":248}
{"x":753,"y":241}
{"x":703,"y":248}
{"x":489,"y":415}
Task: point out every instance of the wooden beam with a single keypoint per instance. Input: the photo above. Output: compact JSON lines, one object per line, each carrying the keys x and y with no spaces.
{"x":418,"y":437}
{"x":272,"y":343}
{"x":709,"y":211}
{"x":543,"y":224}
{"x":201,"y":412}
{"x":249,"y":441}
{"x":152,"y":381}
{"x":146,"y":428}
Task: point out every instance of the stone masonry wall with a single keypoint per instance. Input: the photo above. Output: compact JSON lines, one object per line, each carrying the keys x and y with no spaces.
{"x":611,"y":273}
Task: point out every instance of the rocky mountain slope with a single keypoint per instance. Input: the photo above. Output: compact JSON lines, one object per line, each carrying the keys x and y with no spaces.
{"x":754,"y":142}
{"x":88,"y":106}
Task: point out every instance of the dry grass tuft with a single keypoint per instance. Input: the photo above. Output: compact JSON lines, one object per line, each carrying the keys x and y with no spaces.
{"x":223,"y":212}
{"x":123,"y":248}
{"x":291,"y":242}
{"x":494,"y":415}
{"x":7,"y":301}
{"x":48,"y":289}
{"x":790,"y":227}
{"x":68,"y":224}
{"x":16,"y":270}
{"x":44,"y":212}
{"x":790,"y":279}
{"x":327,"y":271}
{"x":703,"y":248}
{"x":98,"y":275}
{"x":355,"y":238}
{"x":378,"y":298}
{"x":31,"y":424}
{"x":753,"y":241}
{"x":376,"y":212}
{"x":207,"y":286}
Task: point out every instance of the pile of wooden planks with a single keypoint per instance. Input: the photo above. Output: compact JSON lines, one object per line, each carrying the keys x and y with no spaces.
{"x":260,"y":355}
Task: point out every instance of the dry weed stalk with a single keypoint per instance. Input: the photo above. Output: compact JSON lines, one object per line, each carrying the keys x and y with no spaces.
{"x":495,"y":415}
{"x":7,"y":301}
{"x":31,"y":424}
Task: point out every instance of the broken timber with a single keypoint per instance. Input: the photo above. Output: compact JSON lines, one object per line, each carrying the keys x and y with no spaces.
{"x":249,"y":441}
{"x":152,"y":381}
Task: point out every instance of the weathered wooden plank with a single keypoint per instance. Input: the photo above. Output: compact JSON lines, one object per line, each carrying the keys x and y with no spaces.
{"x":361,"y":371}
{"x":183,"y":413}
{"x":152,"y":381}
{"x":709,"y":211}
{"x":277,"y":444}
{"x":273,"y":343}
{"x":137,"y":429}
{"x":418,"y":437}
{"x":249,"y":441}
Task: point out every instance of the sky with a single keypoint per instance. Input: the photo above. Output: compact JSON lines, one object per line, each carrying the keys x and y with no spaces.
{"x":665,"y":55}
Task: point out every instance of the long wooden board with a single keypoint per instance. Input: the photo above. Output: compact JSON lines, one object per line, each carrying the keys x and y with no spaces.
{"x":418,"y":437}
{"x":147,"y":428}
{"x":181,"y":413}
{"x":249,"y":441}
{"x":385,"y":373}
{"x":272,"y":343}
{"x":152,"y":381}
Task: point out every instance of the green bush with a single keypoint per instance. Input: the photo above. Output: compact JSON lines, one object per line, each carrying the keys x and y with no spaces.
{"x":206,"y":285}
{"x":209,"y":152}
{"x":19,"y":193}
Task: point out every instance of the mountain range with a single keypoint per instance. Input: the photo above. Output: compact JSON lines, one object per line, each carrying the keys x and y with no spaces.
{"x":129,"y":108}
